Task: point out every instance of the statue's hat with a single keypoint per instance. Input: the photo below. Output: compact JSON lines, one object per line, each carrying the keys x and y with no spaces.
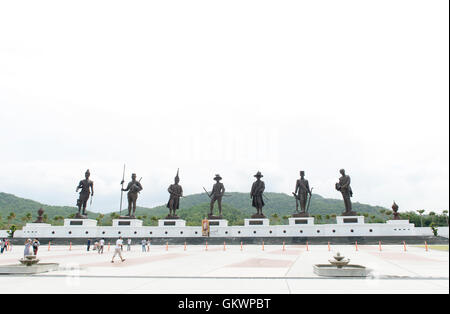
{"x":258,"y":175}
{"x":217,"y":177}
{"x":177,"y":176}
{"x":88,"y":172}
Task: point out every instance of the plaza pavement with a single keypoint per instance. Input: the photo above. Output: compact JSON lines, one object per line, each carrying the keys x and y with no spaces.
{"x":251,"y":270}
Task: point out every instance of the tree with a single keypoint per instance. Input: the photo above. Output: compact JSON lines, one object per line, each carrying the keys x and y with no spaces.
{"x":444,"y":212}
{"x":434,"y":229}
{"x":26,"y":218}
{"x":58,"y":218}
{"x":114,"y":215}
{"x":11,"y":217}
{"x":388,"y":214}
{"x":99,"y":219}
{"x":432,"y":214}
{"x":318,"y":217}
{"x":275,"y":217}
{"x":11,"y":231}
{"x":421,"y":211}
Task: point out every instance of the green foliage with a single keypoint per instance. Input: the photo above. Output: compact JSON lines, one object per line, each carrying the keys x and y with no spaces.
{"x":11,"y":230}
{"x":434,"y":229}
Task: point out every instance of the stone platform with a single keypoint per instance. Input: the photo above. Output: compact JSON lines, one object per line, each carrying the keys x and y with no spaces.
{"x":352,"y":227}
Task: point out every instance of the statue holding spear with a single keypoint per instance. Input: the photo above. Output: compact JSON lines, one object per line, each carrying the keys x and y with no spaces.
{"x":133,"y":188}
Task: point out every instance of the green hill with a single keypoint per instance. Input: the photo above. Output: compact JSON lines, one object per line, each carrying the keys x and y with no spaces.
{"x":21,"y":207}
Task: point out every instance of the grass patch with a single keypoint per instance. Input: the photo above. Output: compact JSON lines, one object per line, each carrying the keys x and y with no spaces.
{"x":436,"y":247}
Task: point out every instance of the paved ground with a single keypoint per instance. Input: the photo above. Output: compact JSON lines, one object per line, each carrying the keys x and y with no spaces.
{"x":252,"y":270}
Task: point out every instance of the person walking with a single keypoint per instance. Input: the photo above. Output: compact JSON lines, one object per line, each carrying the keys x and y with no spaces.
{"x":27,"y":250}
{"x":129,"y":244}
{"x":36,"y":245}
{"x":88,"y":244}
{"x":2,"y":245}
{"x":148,"y":245}
{"x":101,"y":245}
{"x":143,"y":243}
{"x":118,"y":250}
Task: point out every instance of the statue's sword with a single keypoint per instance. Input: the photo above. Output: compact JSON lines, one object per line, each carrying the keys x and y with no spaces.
{"x":309,"y":201}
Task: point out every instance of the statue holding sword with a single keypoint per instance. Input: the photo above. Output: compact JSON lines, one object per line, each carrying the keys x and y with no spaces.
{"x":301,"y":193}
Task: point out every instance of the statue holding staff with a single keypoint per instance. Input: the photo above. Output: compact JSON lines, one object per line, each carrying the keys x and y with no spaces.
{"x":133,"y":188}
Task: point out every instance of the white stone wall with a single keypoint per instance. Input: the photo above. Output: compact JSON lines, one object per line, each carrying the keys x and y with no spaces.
{"x":426,"y":231}
{"x":329,"y":230}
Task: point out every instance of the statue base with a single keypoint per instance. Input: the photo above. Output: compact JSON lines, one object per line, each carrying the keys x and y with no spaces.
{"x":350,"y":213}
{"x":218,"y":223}
{"x":295,"y":221}
{"x":83,"y":222}
{"x":172,"y":217}
{"x":349,"y":220}
{"x":127,"y":217}
{"x":127,"y":222}
{"x":212,"y":217}
{"x":258,"y":216}
{"x":172,"y":223}
{"x":300,"y":214}
{"x":80,"y":216}
{"x":256,"y":222}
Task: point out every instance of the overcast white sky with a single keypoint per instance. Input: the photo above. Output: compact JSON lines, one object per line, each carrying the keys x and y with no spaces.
{"x":229,"y":87}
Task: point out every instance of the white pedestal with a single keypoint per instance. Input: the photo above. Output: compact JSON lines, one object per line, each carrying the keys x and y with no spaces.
{"x":80,"y":222}
{"x":348,"y":220}
{"x":300,"y":221}
{"x":37,"y":225}
{"x":397,"y":222}
{"x":127,"y":223}
{"x":218,"y":223}
{"x":171,"y":223}
{"x":253,"y":222}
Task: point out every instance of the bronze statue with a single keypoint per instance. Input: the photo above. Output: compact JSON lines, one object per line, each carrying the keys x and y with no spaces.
{"x":133,"y":188}
{"x":395,"y":211}
{"x":87,"y":189}
{"x":344,"y":187}
{"x":217,"y":193}
{"x":176,"y":192}
{"x":256,"y":194}
{"x":301,"y":193}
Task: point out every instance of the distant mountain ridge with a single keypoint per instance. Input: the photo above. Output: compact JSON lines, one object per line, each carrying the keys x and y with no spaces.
{"x":192,"y":208}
